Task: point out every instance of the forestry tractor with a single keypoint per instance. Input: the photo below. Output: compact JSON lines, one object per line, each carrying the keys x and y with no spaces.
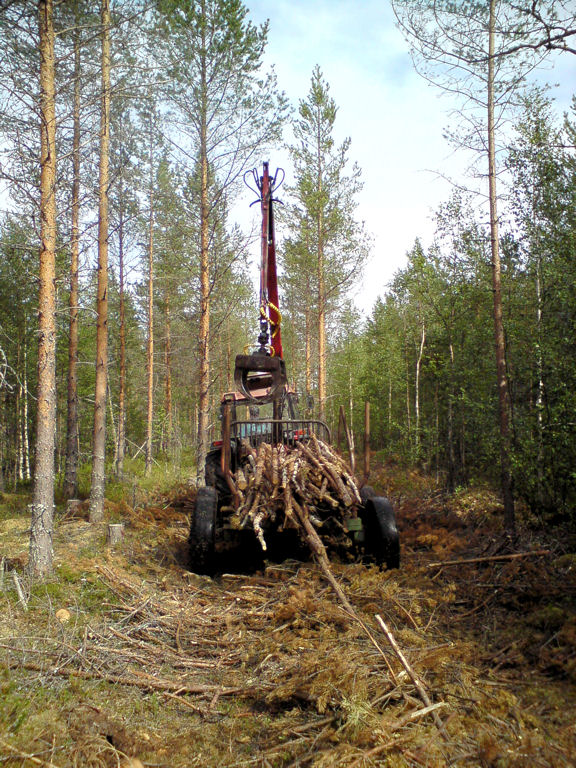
{"x":273,"y":475}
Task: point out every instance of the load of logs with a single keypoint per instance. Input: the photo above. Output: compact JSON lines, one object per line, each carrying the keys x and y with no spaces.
{"x":293,"y":486}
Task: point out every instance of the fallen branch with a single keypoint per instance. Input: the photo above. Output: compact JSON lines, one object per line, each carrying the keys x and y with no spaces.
{"x":413,"y":676}
{"x":493,"y":558}
{"x":145,"y":681}
{"x":21,"y":596}
{"x":26,"y":755}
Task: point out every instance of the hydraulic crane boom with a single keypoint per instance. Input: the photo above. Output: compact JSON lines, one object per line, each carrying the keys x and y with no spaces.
{"x":269,"y":304}
{"x":261,"y":376}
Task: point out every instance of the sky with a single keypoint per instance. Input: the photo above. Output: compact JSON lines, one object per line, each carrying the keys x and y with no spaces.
{"x":394,"y":118}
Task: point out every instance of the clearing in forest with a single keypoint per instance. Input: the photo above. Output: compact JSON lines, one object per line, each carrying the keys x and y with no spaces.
{"x":129,"y":658}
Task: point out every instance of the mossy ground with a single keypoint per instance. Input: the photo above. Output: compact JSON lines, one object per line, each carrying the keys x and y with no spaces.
{"x":173,"y":669}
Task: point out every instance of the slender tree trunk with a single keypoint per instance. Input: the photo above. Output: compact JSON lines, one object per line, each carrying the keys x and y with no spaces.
{"x":407,"y":374}
{"x":321,"y":312}
{"x":451,"y":480}
{"x":150,"y":340}
{"x":307,"y":343}
{"x":19,"y":425}
{"x":168,"y":373}
{"x":417,"y":388}
{"x":40,"y":562}
{"x":99,"y":436}
{"x":121,"y":442}
{"x":72,"y":434}
{"x":437,"y":433}
{"x":351,"y":409}
{"x":111,"y":412}
{"x":229,"y":359}
{"x":2,"y":438}
{"x":389,"y":407}
{"x":503,"y":389}
{"x":540,"y":396}
{"x":25,"y":426}
{"x":204,"y":328}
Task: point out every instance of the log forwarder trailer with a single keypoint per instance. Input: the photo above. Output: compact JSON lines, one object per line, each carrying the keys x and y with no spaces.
{"x":270,"y":410}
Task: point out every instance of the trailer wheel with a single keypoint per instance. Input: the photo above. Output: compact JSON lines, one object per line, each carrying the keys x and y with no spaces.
{"x":367,"y":492}
{"x":213,"y":475}
{"x":381,"y":540}
{"x":202,"y":539}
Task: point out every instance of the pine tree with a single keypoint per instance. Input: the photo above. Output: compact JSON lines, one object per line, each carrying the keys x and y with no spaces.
{"x":226,"y":114}
{"x":40,"y":563}
{"x":325,"y":211}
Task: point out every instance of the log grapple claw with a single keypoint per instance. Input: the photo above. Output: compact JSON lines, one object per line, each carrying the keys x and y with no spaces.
{"x":259,"y":377}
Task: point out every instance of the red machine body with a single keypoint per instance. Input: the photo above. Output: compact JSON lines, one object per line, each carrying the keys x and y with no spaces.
{"x":264,"y":369}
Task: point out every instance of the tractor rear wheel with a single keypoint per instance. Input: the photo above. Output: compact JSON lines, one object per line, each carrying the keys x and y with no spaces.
{"x":381,"y":540}
{"x":202,"y":539}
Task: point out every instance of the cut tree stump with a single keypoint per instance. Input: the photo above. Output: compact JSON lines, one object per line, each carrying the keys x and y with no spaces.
{"x":115,"y":534}
{"x":73,"y":506}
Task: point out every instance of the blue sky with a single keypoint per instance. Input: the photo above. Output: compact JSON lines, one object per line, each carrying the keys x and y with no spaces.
{"x":393,"y":117}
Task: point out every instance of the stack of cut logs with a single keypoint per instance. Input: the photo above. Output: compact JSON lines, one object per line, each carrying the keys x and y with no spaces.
{"x":291,"y":486}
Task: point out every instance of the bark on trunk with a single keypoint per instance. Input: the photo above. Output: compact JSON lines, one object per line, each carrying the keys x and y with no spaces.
{"x":25,"y":424}
{"x":121,"y":441}
{"x":321,"y":316}
{"x":40,"y":562}
{"x":307,"y":328}
{"x":72,"y":435}
{"x":451,"y":479}
{"x":168,"y":374}
{"x":417,"y":389}
{"x":99,"y":435}
{"x":502,"y":376}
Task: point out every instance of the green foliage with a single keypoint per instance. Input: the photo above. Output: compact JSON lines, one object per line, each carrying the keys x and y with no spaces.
{"x":326,"y":246}
{"x":441,"y":411}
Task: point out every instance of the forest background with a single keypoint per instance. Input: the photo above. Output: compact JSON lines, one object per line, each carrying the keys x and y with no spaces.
{"x":159,"y":111}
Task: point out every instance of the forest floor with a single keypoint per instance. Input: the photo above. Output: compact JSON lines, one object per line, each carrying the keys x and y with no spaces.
{"x":126,"y":658}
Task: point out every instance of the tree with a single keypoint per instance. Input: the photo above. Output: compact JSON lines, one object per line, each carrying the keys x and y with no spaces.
{"x":543,"y":204}
{"x":324,"y":210}
{"x":549,"y":25}
{"x":225,"y":113}
{"x":40,"y":563}
{"x":501,"y":371}
{"x":99,"y":432}
{"x":72,"y":430}
{"x":460,"y":47}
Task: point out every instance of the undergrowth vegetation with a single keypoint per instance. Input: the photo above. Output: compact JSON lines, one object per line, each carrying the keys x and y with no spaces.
{"x":126,"y":656}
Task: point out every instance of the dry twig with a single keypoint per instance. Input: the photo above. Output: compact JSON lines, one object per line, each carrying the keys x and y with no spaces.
{"x":493,"y":558}
{"x":26,"y":755}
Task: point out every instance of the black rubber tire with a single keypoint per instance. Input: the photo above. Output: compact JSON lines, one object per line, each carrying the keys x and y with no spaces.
{"x":381,"y":540}
{"x":202,"y":539}
{"x":214,"y":477}
{"x":367,"y":492}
